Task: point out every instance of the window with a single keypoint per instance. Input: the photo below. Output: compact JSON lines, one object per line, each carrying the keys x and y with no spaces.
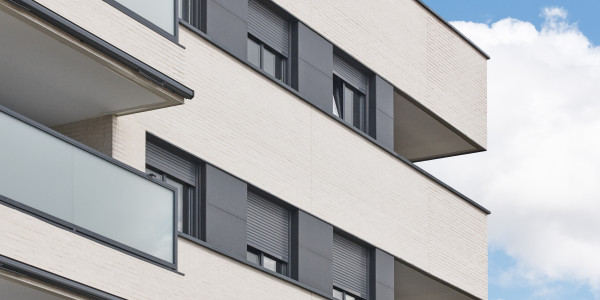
{"x":268,"y":226}
{"x":343,"y":295}
{"x":267,"y":59}
{"x":268,"y":40}
{"x":349,"y":104}
{"x":349,"y":93}
{"x":268,"y":262}
{"x":350,"y":272}
{"x":190,"y":11}
{"x":180,"y":170}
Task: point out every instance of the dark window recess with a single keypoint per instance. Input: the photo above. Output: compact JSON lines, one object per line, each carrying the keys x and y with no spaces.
{"x":349,"y":90}
{"x":169,"y":165}
{"x":191,"y":11}
{"x":268,"y":227}
{"x":350,"y":271}
{"x":268,"y":40}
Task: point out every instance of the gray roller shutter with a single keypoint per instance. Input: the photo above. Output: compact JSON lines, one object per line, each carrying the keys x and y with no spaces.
{"x":349,"y":73}
{"x":268,"y":226}
{"x":166,"y":161}
{"x":349,"y":265}
{"x":269,"y":27}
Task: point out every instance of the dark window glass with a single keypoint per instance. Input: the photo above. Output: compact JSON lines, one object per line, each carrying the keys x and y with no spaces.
{"x":254,"y":53}
{"x":349,"y":104}
{"x":190,"y":11}
{"x":343,"y":295}
{"x":267,"y":59}
{"x":266,"y":261}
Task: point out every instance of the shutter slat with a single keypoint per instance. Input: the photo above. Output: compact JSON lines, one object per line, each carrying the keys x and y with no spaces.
{"x":174,"y":165}
{"x":349,"y":265}
{"x":349,"y":73}
{"x":268,"y":226}
{"x":269,"y":27}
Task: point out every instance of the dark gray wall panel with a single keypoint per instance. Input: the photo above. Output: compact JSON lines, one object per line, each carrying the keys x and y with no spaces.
{"x":315,"y":86}
{"x":314,"y":242}
{"x":314,"y":49}
{"x":382,"y":275}
{"x":226,"y":231}
{"x":381,"y":118}
{"x":312,"y":67}
{"x":225,"y":211}
{"x":384,"y":130}
{"x":226,"y":26}
{"x":315,"y":271}
{"x":384,"y":95}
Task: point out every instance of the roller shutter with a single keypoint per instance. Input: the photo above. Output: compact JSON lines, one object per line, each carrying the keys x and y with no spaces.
{"x":349,"y":73}
{"x":268,"y":226}
{"x":175,"y":165}
{"x":350,"y":265}
{"x":269,"y":27}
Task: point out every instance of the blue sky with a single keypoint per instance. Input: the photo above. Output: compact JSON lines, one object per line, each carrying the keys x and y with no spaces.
{"x":583,"y":12}
{"x":541,"y":174}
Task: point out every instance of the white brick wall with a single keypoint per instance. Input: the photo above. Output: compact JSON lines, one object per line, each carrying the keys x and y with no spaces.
{"x":94,"y":132}
{"x":208,"y":275}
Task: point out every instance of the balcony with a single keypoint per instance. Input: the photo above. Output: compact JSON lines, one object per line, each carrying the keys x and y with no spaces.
{"x":55,"y":72}
{"x":68,"y":184}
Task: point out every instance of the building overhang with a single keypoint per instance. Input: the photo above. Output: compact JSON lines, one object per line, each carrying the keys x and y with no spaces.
{"x":411,"y":284}
{"x":55,"y":72}
{"x":420,"y":135}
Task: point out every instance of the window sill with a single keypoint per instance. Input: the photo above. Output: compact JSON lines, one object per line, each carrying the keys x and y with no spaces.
{"x":257,"y":267}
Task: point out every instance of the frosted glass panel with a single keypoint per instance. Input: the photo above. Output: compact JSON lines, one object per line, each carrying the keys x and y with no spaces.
{"x":160,"y":12}
{"x":76,"y":186}
{"x":35,"y":169}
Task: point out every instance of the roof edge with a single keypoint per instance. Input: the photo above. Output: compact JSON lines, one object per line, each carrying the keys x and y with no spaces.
{"x":466,"y":39}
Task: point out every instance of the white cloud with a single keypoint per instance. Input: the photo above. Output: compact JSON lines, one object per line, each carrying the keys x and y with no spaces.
{"x":541,"y":174}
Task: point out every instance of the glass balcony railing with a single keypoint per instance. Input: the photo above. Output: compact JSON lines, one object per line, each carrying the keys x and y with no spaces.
{"x":63,"y":181}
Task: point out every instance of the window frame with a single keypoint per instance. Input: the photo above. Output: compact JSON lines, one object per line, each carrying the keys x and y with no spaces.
{"x":338,"y":101}
{"x":282,"y":267}
{"x":284,"y":68}
{"x":197,"y":13}
{"x":345,"y":294}
{"x":193,"y":197}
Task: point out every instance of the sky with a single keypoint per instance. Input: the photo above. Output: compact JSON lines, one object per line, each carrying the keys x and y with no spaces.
{"x":540,"y":176}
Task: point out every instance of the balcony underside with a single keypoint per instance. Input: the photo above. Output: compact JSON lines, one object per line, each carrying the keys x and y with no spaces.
{"x":419,"y":135}
{"x":55,"y":78}
{"x":410,"y":284}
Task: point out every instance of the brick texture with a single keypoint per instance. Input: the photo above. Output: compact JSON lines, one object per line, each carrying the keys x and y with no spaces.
{"x":95,"y":133}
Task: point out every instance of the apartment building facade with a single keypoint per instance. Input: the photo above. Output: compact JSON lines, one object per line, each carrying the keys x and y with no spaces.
{"x":237,"y":149}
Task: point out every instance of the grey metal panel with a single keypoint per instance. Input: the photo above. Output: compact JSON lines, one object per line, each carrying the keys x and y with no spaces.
{"x":271,"y":28}
{"x":350,"y":265}
{"x":314,"y":49}
{"x":225,"y":211}
{"x":226,"y":28}
{"x":349,"y":73}
{"x":384,"y":130}
{"x":314,"y":258}
{"x":315,"y":86}
{"x":382,"y":279}
{"x":168,"y":162}
{"x":268,"y":226}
